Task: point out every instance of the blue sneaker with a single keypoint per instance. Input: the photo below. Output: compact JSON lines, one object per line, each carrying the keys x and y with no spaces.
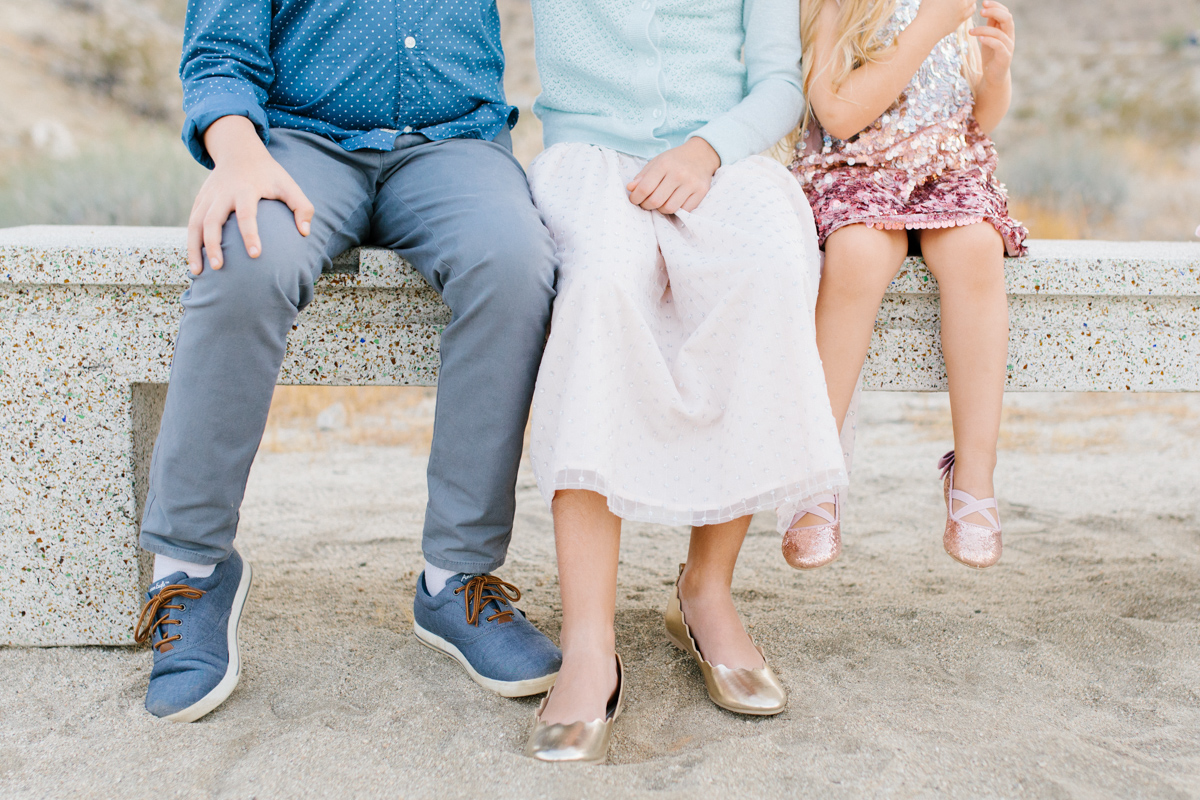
{"x":192,"y":624}
{"x":473,"y":620}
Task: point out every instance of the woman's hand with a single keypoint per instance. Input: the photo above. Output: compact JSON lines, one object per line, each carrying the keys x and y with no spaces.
{"x":996,"y":42}
{"x":944,"y":16}
{"x":678,"y":178}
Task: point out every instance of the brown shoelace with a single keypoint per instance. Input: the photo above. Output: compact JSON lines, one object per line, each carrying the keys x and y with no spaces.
{"x":147,"y":624}
{"x":499,"y":592}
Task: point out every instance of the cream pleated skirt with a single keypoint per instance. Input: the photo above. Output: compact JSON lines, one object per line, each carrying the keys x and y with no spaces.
{"x":681,"y":378}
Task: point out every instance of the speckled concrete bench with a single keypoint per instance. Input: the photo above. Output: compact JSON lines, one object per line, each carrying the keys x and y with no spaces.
{"x":88,"y":318}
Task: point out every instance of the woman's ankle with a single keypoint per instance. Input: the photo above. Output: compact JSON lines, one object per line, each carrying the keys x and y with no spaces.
{"x":587,"y":659}
{"x":583,"y":688}
{"x":588,"y":644}
{"x":717,"y":627}
{"x":704,"y":587}
{"x":591,"y":662}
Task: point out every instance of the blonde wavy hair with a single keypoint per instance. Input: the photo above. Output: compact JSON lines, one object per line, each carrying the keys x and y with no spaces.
{"x":858,"y":25}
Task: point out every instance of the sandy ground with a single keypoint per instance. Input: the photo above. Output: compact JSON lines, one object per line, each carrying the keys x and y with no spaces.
{"x":1071,"y":670}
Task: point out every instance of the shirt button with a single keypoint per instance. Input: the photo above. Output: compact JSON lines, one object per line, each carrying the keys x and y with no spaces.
{"x":410,"y":42}
{"x":649,"y":62}
{"x":408,"y":128}
{"x":646,"y":5}
{"x":657,"y":113}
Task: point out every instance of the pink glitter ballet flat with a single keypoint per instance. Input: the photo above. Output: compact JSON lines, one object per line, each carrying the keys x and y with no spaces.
{"x":977,"y":546}
{"x":815,"y":545}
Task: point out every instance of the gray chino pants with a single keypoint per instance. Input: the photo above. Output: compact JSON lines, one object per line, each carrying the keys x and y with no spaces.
{"x":460,"y":212}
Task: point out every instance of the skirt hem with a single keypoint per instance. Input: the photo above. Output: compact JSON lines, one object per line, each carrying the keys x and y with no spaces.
{"x":1010,"y":231}
{"x":786,"y":500}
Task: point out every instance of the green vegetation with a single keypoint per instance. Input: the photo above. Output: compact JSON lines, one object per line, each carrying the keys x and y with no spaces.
{"x":139,"y":179}
{"x":1072,"y":179}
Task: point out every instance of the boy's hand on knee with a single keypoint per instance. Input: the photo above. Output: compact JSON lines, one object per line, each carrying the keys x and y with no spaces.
{"x":676,"y":179}
{"x":244,"y":174}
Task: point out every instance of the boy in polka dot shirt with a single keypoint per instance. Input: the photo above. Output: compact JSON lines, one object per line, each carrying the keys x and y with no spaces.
{"x":329,"y":125}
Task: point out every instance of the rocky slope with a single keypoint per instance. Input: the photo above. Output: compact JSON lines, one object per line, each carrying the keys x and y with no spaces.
{"x":1102,"y":140}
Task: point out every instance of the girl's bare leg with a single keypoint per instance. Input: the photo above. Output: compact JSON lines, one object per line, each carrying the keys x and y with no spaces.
{"x":860,"y":262}
{"x":705,"y":595}
{"x":968,"y":263}
{"x":587,"y":537}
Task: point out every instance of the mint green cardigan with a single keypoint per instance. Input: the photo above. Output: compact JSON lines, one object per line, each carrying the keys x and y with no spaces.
{"x":642,"y":76}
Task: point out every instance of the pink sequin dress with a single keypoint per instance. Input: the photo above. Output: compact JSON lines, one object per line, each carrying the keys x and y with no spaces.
{"x":923,"y":164}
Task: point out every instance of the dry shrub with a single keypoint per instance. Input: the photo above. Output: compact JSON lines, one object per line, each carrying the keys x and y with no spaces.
{"x":1048,"y":223}
{"x":129,"y":51}
{"x":1067,"y":422}
{"x":1097,"y":422}
{"x":1071,"y":187}
{"x":382,"y":416}
{"x":132,"y":70}
{"x":1064,"y":188}
{"x":139,"y":178}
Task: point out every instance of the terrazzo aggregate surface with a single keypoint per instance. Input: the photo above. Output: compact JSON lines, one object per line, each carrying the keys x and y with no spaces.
{"x":88,"y":317}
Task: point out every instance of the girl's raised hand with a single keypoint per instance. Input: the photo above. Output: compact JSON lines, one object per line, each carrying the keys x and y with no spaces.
{"x":997,"y":41}
{"x":946,"y":15}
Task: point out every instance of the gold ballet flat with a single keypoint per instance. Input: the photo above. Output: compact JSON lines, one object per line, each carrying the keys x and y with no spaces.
{"x":976,"y":546}
{"x":578,"y":742}
{"x":743,"y":691}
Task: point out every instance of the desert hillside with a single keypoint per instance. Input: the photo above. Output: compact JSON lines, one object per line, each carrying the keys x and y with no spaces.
{"x":1103,"y":139}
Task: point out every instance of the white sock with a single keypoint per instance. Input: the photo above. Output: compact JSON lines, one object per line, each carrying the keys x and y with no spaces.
{"x":436,"y":577}
{"x":165,"y":565}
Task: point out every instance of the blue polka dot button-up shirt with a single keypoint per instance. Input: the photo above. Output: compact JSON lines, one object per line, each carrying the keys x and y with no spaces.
{"x":358,"y":71}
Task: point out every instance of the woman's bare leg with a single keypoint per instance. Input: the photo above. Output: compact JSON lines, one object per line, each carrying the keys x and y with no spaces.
{"x":968,"y":263}
{"x":705,"y":595}
{"x":860,"y":262}
{"x":587,"y":537}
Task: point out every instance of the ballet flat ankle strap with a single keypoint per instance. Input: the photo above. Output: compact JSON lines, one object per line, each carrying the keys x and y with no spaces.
{"x":816,"y":510}
{"x":972,"y":506}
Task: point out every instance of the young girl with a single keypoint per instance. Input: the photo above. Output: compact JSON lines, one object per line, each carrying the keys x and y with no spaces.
{"x":681,"y":382}
{"x":901,"y":95}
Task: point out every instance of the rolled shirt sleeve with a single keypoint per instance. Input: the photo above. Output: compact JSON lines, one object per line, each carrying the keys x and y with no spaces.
{"x":226,"y":67}
{"x":775,"y":99}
